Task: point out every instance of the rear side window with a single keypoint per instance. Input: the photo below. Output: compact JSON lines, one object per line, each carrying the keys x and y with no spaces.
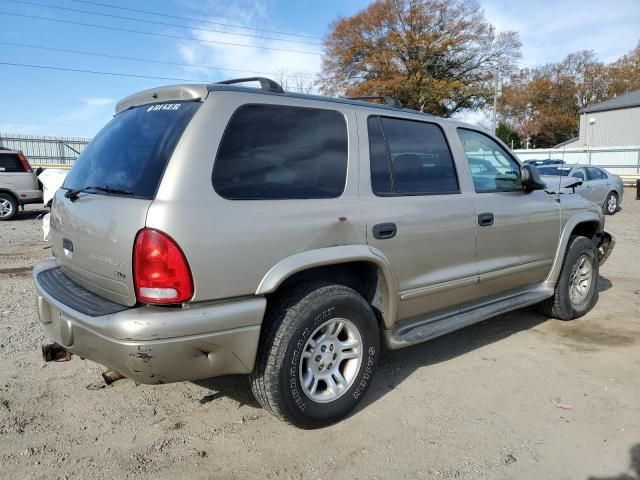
{"x":10,"y":163}
{"x":596,"y":173}
{"x":409,"y":158}
{"x":271,"y":152}
{"x":131,"y":152}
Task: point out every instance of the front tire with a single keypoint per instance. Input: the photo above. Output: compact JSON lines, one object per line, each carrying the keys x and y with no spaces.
{"x":318,"y":355}
{"x":8,"y":206}
{"x":611,"y":203}
{"x":575,"y":292}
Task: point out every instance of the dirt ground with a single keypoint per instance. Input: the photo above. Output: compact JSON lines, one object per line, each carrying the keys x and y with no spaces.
{"x":481,"y":403}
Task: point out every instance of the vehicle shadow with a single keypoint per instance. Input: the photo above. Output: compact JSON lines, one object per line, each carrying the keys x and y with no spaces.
{"x":604,"y":284}
{"x":635,"y":466}
{"x":235,"y":387}
{"x":397,"y":365}
{"x":29,"y":214}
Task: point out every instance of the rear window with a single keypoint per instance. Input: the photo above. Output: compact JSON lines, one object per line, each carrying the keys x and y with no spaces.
{"x":10,"y":163}
{"x":272,"y":152}
{"x":132,"y":150}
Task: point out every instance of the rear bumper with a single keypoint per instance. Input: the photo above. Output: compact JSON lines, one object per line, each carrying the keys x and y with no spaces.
{"x":29,"y":196}
{"x":157,"y":344}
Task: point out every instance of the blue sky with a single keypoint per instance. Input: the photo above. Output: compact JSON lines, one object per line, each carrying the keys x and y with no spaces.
{"x":79,"y":104}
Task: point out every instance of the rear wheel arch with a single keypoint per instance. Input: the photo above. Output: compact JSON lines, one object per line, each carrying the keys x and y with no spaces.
{"x":356,"y":267}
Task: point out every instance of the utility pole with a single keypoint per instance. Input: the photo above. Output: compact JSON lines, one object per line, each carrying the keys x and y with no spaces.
{"x":497,"y":91}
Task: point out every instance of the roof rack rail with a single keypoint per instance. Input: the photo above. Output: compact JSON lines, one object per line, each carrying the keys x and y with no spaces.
{"x":266,"y":84}
{"x":389,"y":101}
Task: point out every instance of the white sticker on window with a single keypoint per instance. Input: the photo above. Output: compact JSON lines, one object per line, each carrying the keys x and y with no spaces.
{"x":163,"y":106}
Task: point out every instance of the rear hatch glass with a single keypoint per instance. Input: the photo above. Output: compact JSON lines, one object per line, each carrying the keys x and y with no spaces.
{"x":132,"y":151}
{"x":92,"y":234}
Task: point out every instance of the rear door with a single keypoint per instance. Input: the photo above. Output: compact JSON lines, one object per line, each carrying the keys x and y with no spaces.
{"x":518,"y":231}
{"x":416,"y":213}
{"x":92,"y":235}
{"x":586,"y":189}
{"x":599,"y":184}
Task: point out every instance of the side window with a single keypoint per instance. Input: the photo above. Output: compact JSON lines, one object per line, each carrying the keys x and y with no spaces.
{"x":492,"y":168}
{"x":277,"y":152}
{"x":10,"y":163}
{"x":409,"y":158}
{"x":596,"y":173}
{"x":580,"y":173}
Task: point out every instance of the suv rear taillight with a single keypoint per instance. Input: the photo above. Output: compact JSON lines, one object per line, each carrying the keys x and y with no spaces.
{"x":161,"y":273}
{"x":24,"y":162}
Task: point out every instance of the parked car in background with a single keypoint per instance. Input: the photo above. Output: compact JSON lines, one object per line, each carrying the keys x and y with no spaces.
{"x":18,"y":183}
{"x":548,"y":161}
{"x":220,"y":229}
{"x":599,"y":186}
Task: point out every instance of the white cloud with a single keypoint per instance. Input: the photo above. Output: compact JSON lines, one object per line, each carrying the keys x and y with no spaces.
{"x":91,"y":107}
{"x":550,"y":29}
{"x":250,"y":60}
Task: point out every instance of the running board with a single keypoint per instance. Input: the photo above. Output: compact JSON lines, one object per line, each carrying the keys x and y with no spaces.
{"x":422,"y":329}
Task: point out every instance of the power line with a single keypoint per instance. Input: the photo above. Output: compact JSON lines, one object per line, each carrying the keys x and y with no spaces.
{"x":138,"y":59}
{"x":192,"y":19}
{"x":153,"y":22}
{"x":155,"y":34}
{"x":96,"y":72}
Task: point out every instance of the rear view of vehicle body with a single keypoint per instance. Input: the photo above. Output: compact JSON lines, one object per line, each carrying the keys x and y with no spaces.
{"x":216,"y":229}
{"x":598,"y":185}
{"x":18,"y":183}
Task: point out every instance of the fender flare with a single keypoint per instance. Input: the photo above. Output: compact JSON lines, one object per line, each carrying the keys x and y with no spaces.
{"x":575,"y":220}
{"x":336,"y":255}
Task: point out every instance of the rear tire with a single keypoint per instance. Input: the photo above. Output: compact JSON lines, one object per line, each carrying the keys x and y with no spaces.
{"x":8,"y":206}
{"x":611,"y":203}
{"x":575,"y":292}
{"x":318,"y":354}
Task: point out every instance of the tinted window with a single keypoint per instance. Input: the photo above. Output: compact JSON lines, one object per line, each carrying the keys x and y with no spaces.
{"x":580,"y":173}
{"x":409,"y":158}
{"x":278,"y":152}
{"x":10,"y":163}
{"x":554,"y":171}
{"x":492,"y":168}
{"x":596,"y":174}
{"x":132,"y":150}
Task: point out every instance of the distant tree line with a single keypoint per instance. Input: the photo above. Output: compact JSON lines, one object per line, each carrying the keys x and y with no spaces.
{"x":443,"y":56}
{"x":540,"y":105}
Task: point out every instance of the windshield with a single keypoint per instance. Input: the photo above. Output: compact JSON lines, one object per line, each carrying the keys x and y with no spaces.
{"x":132,"y":150}
{"x":554,"y":171}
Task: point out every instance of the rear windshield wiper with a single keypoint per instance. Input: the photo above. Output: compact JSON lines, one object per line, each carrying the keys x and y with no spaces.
{"x":72,"y":194}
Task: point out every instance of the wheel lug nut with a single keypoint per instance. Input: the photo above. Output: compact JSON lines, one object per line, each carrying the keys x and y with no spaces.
{"x":321,"y":367}
{"x":330,"y":365}
{"x":323,"y":348}
{"x":318,"y":358}
{"x":331,"y":347}
{"x":335,"y":355}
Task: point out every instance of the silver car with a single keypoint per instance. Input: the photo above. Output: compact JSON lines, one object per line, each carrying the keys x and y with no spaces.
{"x":598,"y":185}
{"x":215,"y":229}
{"x":18,"y":183}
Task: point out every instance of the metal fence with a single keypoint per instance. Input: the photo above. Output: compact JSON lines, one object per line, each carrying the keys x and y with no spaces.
{"x":46,"y":151}
{"x":623,"y":161}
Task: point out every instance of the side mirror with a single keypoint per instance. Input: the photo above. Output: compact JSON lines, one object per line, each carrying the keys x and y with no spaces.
{"x":531,"y":178}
